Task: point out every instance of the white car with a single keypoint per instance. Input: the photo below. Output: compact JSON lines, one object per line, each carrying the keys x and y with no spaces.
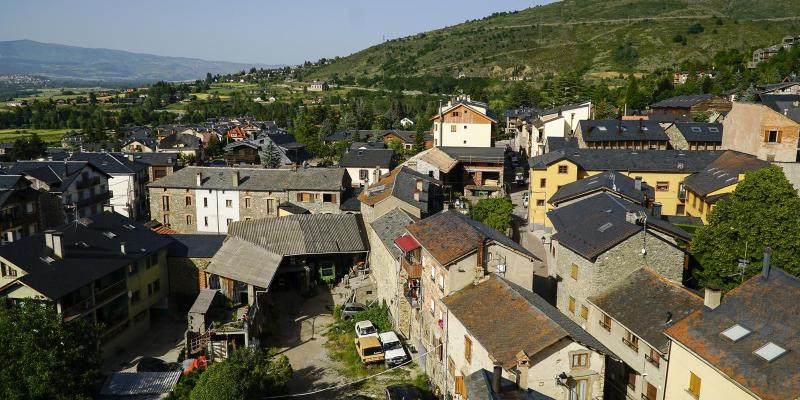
{"x":393,"y":351}
{"x":365,"y":328}
{"x":525,"y":199}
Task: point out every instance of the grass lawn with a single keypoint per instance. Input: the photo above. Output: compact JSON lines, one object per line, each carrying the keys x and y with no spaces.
{"x":48,"y":135}
{"x":690,"y":229}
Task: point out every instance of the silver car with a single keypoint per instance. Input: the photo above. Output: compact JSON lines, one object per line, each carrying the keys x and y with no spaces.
{"x":350,"y":309}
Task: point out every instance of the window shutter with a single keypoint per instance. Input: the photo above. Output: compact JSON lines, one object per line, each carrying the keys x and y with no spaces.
{"x":333,"y":198}
{"x":780,"y":133}
{"x":766,"y":136}
{"x":300,"y":197}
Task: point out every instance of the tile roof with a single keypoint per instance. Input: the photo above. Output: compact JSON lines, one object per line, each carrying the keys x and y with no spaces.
{"x":596,"y":224}
{"x":610,"y":181}
{"x":194,"y":245}
{"x":683,"y":101}
{"x":723,"y":172}
{"x":624,"y":160}
{"x":390,"y":226}
{"x":401,"y":183}
{"x":255,"y":179}
{"x":80,"y":264}
{"x":529,"y":323}
{"x":450,"y":236}
{"x":598,"y":130}
{"x":700,"y":131}
{"x":647,"y":304}
{"x":367,"y":158}
{"x":475,"y":154}
{"x":768,"y":307}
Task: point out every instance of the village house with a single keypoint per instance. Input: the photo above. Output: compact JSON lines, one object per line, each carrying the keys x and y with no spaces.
{"x":452,"y":251}
{"x":600,"y":240}
{"x":477,"y":172}
{"x":318,"y":86}
{"x":73,"y":189}
{"x":19,"y":208}
{"x":716,"y":182}
{"x":694,"y":135}
{"x":769,"y":131}
{"x":158,"y":165}
{"x":742,"y":346}
{"x":208,"y":199}
{"x":182,"y":144}
{"x":494,"y":322}
{"x":127,"y":181}
{"x":611,"y":182}
{"x":366,"y":166}
{"x":106,"y":269}
{"x":253,"y":151}
{"x":532,"y":132}
{"x":384,"y":136}
{"x":782,"y":88}
{"x":630,"y":318}
{"x":415,"y":193}
{"x":188,"y":255}
{"x":619,"y":134}
{"x":686,"y":108}
{"x":463,"y":123}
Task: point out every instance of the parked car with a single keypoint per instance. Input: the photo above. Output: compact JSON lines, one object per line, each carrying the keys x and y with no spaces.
{"x":369,"y":349}
{"x":525,"y":199}
{"x":350,"y":309}
{"x":393,"y":351}
{"x":365,"y":328}
{"x":404,"y":392}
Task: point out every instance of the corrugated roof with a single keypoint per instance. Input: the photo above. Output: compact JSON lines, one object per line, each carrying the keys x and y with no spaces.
{"x":140,"y":383}
{"x":391,"y":225}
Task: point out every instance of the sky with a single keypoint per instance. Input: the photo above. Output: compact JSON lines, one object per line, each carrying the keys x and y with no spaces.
{"x":250,"y":31}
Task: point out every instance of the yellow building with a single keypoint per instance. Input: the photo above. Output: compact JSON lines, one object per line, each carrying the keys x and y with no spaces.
{"x":744,"y":347}
{"x":664,"y":170}
{"x":105,"y":269}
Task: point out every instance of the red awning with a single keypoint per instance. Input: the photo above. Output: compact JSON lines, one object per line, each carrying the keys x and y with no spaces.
{"x":406,"y":243}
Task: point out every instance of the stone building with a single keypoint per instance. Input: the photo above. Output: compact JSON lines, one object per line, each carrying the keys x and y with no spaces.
{"x":417,"y":194}
{"x":187,"y":257}
{"x":208,"y":199}
{"x":686,"y":108}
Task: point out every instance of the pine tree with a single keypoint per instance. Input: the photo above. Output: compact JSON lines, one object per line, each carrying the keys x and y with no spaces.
{"x":271,"y":157}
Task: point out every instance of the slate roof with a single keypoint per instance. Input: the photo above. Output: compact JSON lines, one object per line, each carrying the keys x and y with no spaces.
{"x":155,"y":158}
{"x":110,"y":163}
{"x":625,"y":160}
{"x":610,"y":181}
{"x":401,"y":183}
{"x":596,"y":224}
{"x":367,"y":158}
{"x":204,"y":301}
{"x":479,"y":387}
{"x":565,"y":107}
{"x":530,"y":324}
{"x":647,"y":304}
{"x":683,"y":101}
{"x":180,"y":141}
{"x":255,"y":179}
{"x":522,"y":112}
{"x":130,"y":384}
{"x":194,"y":245}
{"x":246,"y":262}
{"x":57,"y":174}
{"x":768,"y":307}
{"x":557,"y":143}
{"x":783,"y":103}
{"x":597,"y":130}
{"x":81,"y":265}
{"x":390,"y":226}
{"x":700,"y":131}
{"x":723,"y":172}
{"x":450,"y":236}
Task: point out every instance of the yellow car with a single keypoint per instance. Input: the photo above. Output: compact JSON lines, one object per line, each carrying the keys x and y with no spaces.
{"x":369,"y":349}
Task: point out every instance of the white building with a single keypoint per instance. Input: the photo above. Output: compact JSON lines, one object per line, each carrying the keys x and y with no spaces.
{"x":464,"y":123}
{"x":216,"y":209}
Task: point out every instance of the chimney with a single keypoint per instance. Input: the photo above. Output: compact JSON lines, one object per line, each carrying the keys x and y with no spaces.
{"x":713,"y":296}
{"x":523,"y":366}
{"x":48,"y":238}
{"x":10,"y":236}
{"x":657,"y":210}
{"x":765,"y":267}
{"x":235,"y":177}
{"x":637,"y":183}
{"x":419,"y":184}
{"x":199,"y":179}
{"x":630,"y":217}
{"x":58,"y":244}
{"x":497,"y":375}
{"x":416,"y":195}
{"x":130,"y":157}
{"x":445,"y":206}
{"x":122,"y":248}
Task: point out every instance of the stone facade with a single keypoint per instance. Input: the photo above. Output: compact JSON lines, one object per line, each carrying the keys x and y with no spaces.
{"x":594,"y":277}
{"x":185,"y":275}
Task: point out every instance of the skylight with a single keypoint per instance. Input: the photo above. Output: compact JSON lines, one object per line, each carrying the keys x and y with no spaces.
{"x":713,"y":129}
{"x":129,"y":226}
{"x":605,"y":227}
{"x":602,"y":128}
{"x":110,"y":235}
{"x":83,"y":244}
{"x":735,"y":332}
{"x":696,"y":129}
{"x":770,"y":351}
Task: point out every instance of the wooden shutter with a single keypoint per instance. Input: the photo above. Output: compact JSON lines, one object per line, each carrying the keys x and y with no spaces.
{"x":300,"y":197}
{"x":766,"y":136}
{"x":461,"y":388}
{"x":694,"y":384}
{"x":780,"y":133}
{"x":652,"y":392}
{"x":468,"y":349}
{"x":333,"y":198}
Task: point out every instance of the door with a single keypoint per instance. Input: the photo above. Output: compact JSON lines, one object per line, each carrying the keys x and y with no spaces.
{"x":580,"y":391}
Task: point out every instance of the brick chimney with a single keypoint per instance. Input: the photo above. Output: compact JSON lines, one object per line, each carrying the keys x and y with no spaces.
{"x":713,"y":296}
{"x":481,"y":260}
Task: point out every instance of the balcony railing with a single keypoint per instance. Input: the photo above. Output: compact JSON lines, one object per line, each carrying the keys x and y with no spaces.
{"x":414,"y":297}
{"x":85,"y":183}
{"x":94,"y":199}
{"x":78,"y":309}
{"x":110,"y":292}
{"x":655,"y":361}
{"x":633,"y":346}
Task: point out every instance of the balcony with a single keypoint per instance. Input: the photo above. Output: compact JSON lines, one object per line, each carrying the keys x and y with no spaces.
{"x":78,"y":309}
{"x":110,"y":292}
{"x":86,"y":183}
{"x":94,"y":199}
{"x":633,"y":346}
{"x":414,"y":296}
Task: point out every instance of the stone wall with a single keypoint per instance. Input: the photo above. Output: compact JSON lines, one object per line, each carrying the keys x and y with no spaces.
{"x":184,"y":275}
{"x":178,"y":209}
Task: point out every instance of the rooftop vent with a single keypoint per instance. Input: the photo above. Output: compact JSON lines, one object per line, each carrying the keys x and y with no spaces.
{"x":605,"y":227}
{"x":696,"y":129}
{"x":109,"y":234}
{"x":770,"y":351}
{"x":129,"y":226}
{"x":47,"y":259}
{"x":735,"y":333}
{"x":83,"y":244}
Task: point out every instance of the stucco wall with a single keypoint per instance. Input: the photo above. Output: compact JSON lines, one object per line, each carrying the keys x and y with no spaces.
{"x":713,"y":384}
{"x":745,"y":126}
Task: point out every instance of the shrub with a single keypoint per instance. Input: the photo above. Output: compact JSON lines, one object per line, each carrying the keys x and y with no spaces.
{"x":696,"y":28}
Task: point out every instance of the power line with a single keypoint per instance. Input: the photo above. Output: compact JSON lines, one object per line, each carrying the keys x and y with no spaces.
{"x":353,"y":382}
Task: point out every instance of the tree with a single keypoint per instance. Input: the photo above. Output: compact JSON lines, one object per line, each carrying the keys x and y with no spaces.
{"x":45,"y":357}
{"x":419,"y":142}
{"x":271,"y":157}
{"x":215,"y":147}
{"x":495,"y":212}
{"x":399,"y":150}
{"x":28,"y":148}
{"x":762,"y":211}
{"x":246,"y":374}
{"x":696,"y":28}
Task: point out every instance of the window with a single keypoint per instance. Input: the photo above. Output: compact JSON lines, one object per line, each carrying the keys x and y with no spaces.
{"x":441,"y":282}
{"x":228,"y":221}
{"x":164,"y":203}
{"x":662,"y":186}
{"x":631,"y":340}
{"x":149,"y":289}
{"x":574,"y":272}
{"x":329,"y":198}
{"x":652,"y":392}
{"x":563,"y":169}
{"x":433,"y":307}
{"x":205,"y":202}
{"x":133,"y":269}
{"x":363,"y":174}
{"x":135,"y":297}
{"x":305,"y":197}
{"x":653,"y":357}
{"x":188,"y":200}
{"x":188,"y":220}
{"x":772,"y":136}
{"x":694,"y":384}
{"x":542,"y":182}
{"x":165,"y":219}
{"x":540,"y":203}
{"x":156,"y":285}
{"x":228,"y":203}
{"x":467,"y":349}
{"x":270,"y":206}
{"x":455,"y":113}
{"x":584,"y":312}
{"x":465,"y":127}
{"x":205,"y":221}
{"x":571,"y":305}
{"x":631,"y":375}
{"x":247,"y":202}
{"x":579,"y":360}
{"x":452,"y":128}
{"x":605,"y":322}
